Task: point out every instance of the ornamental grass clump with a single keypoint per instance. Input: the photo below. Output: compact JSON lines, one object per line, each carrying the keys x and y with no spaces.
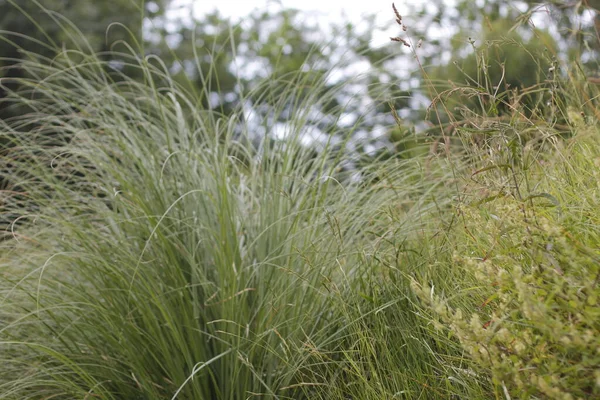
{"x":155,"y":250}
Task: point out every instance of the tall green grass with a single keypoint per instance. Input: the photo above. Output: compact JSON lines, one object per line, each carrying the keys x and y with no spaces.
{"x":155,"y":252}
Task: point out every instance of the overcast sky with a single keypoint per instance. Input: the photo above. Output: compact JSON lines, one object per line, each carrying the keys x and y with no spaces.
{"x":326,"y":11}
{"x":332,"y":8}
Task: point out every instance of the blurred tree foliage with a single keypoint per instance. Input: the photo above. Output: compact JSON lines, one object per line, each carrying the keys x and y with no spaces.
{"x":574,"y":24}
{"x":498,"y":54}
{"x":218,"y":59}
{"x":42,"y":26}
{"x":503,"y":68}
{"x":221,"y":61}
{"x":284,"y":54}
{"x":344,"y":87}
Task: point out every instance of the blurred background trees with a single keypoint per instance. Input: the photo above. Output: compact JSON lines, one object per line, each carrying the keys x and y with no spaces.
{"x":43,"y":26}
{"x":504,"y":45}
{"x":488,"y":57}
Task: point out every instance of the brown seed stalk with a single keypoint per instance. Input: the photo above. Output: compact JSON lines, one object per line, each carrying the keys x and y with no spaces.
{"x":399,"y":39}
{"x":398,"y":16}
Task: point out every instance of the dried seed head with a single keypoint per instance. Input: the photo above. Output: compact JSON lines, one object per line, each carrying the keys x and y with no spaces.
{"x":398,"y":16}
{"x":399,"y":39}
{"x":404,"y":27}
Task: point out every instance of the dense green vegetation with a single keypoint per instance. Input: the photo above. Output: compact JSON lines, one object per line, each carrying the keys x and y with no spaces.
{"x":158,"y":247}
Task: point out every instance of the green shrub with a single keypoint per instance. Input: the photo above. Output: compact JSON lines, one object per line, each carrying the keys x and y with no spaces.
{"x":529,"y":311}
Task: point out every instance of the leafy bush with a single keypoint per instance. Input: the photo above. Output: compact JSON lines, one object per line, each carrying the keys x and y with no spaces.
{"x":530,"y":275}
